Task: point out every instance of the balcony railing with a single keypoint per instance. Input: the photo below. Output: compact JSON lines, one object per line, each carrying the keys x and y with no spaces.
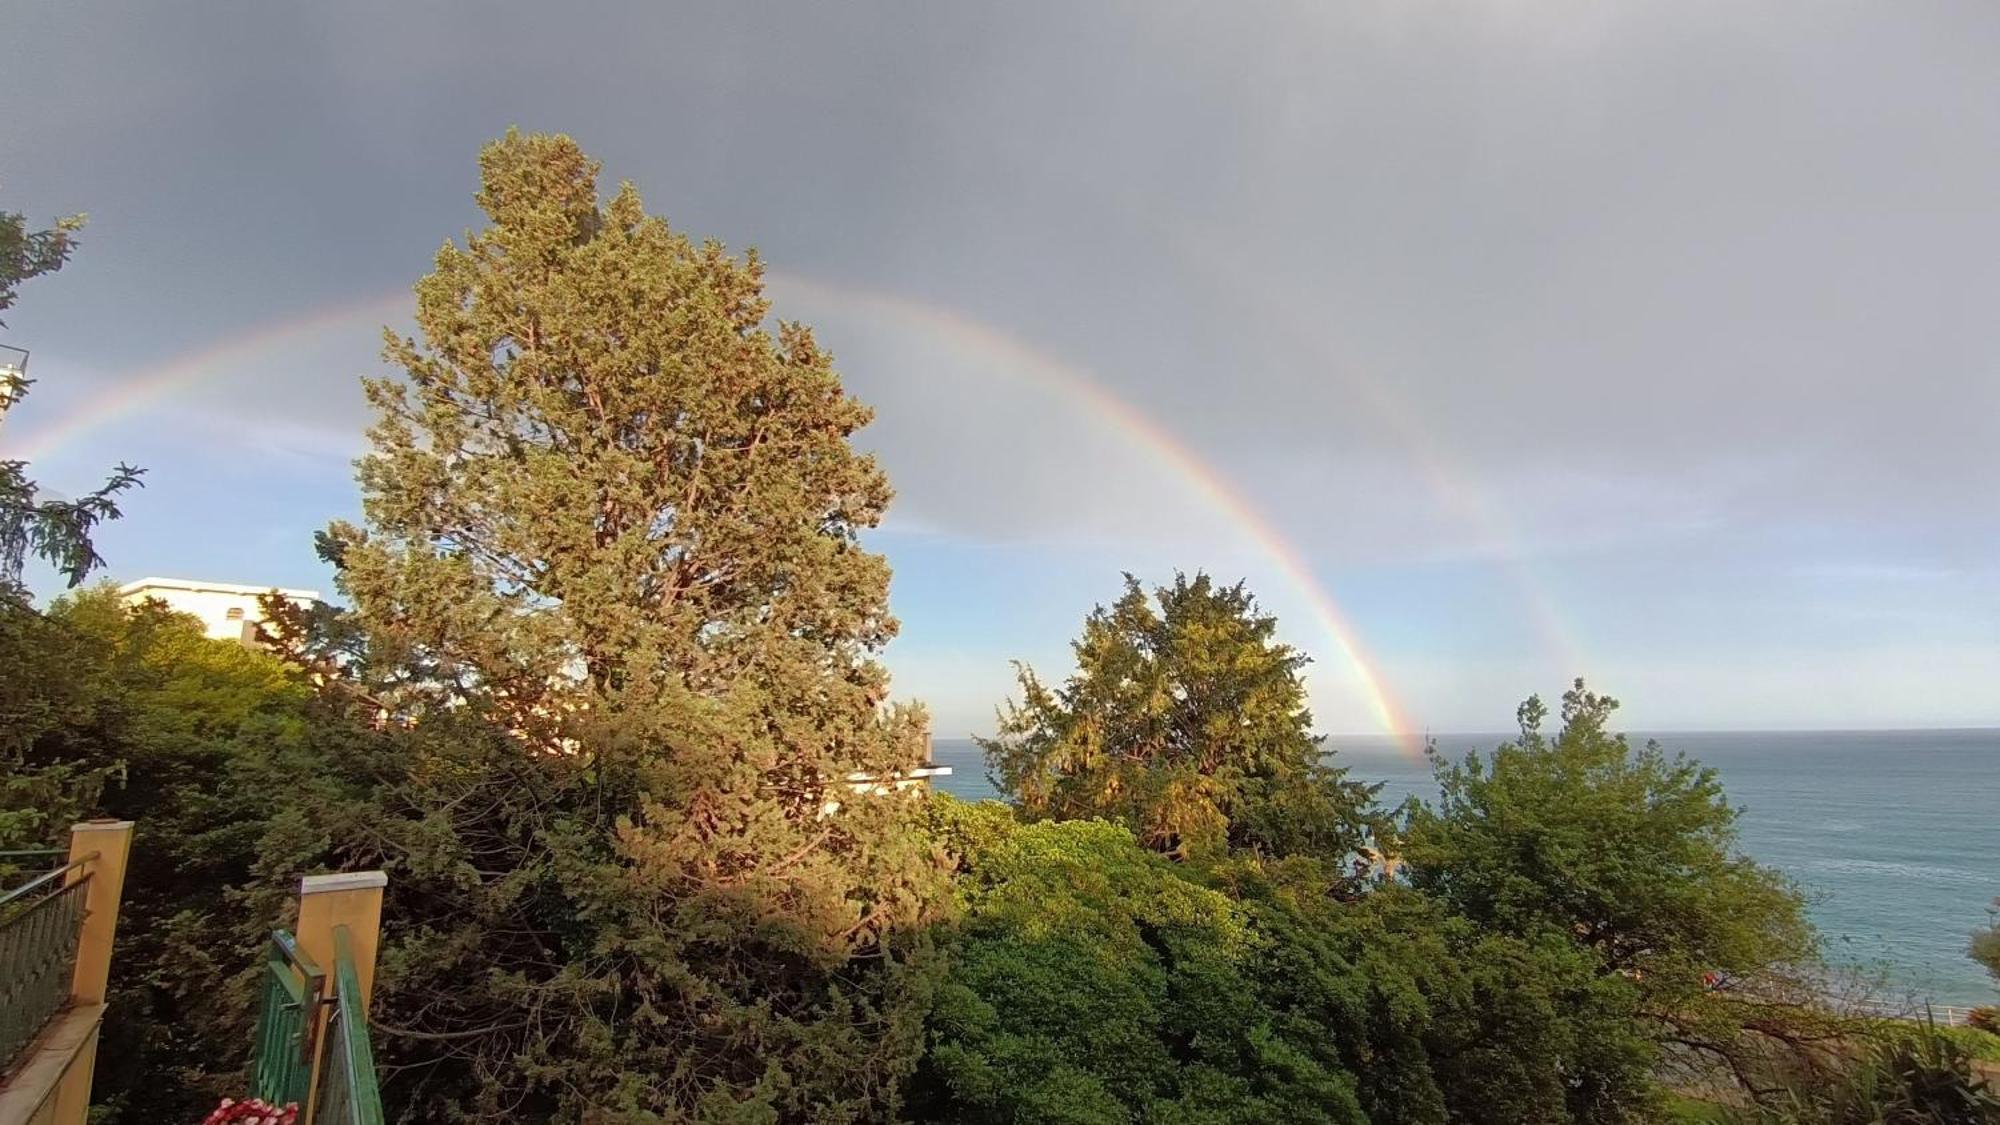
{"x":40,"y":924}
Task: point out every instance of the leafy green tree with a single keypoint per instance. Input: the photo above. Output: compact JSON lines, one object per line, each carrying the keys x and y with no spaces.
{"x":610,"y":580}
{"x":1633,"y":855}
{"x":1439,"y":1020}
{"x":1186,"y":720}
{"x":57,"y":705}
{"x":55,"y":530}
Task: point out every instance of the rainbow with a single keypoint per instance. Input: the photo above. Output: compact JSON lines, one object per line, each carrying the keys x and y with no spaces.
{"x":1078,"y":385}
{"x":135,"y":394}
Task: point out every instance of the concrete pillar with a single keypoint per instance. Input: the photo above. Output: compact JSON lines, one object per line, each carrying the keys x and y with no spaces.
{"x":111,"y":840}
{"x":102,"y":847}
{"x":352,"y":899}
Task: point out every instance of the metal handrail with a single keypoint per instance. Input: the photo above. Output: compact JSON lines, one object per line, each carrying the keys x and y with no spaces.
{"x":43,"y":879}
{"x":1944,"y":1015}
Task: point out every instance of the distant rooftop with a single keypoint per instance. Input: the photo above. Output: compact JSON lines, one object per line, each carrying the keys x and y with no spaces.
{"x":195,"y":586}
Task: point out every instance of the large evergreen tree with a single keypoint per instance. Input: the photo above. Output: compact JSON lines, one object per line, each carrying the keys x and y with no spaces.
{"x":612,"y":517}
{"x":1186,"y":720}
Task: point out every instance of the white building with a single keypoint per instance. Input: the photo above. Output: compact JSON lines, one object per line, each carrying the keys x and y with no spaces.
{"x":227,"y":611}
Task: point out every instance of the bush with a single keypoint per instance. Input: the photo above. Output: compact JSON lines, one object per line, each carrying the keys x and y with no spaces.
{"x":1092,"y":981}
{"x":1925,"y":1077}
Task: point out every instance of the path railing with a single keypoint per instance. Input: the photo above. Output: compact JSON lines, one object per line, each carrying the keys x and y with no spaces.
{"x":1944,"y":1015}
{"x":41,"y":922}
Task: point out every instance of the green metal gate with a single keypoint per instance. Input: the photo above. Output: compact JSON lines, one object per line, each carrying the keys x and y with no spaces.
{"x":287,"y":1022}
{"x":302,"y":1023}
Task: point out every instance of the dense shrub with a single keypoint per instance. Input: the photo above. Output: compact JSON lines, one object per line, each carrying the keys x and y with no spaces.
{"x":1438,"y":1019}
{"x":1092,"y":980}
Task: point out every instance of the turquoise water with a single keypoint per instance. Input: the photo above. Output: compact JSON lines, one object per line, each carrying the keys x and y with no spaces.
{"x":1895,"y":835}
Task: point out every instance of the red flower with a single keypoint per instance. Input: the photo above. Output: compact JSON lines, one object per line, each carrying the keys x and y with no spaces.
{"x":252,"y":1111}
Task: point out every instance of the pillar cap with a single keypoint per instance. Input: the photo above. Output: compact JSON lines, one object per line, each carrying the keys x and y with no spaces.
{"x":343,"y":881}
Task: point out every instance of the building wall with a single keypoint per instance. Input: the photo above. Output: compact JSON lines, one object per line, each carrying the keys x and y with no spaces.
{"x":226,"y":612}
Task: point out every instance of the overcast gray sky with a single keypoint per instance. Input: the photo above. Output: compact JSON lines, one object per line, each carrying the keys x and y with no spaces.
{"x":1653,"y":342}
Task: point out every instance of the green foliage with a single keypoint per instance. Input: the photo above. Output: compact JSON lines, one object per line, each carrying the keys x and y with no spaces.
{"x":57,"y":701}
{"x":1977,"y":1043}
{"x":1187,"y":722}
{"x":1921,"y":1077}
{"x":1439,"y":1020}
{"x":1632,"y":854}
{"x":57,"y":531}
{"x":610,"y":582}
{"x":1093,"y":980}
{"x":135,"y":714}
{"x":27,"y":253}
{"x":1683,"y":1110}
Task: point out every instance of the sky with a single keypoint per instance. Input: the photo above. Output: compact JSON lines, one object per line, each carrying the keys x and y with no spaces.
{"x":1492,"y":342}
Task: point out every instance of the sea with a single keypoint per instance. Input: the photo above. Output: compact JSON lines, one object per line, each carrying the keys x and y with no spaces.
{"x":1893,"y":835}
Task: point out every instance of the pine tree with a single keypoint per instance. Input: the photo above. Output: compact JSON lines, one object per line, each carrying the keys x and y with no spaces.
{"x":1187,"y":723}
{"x":612,"y":515}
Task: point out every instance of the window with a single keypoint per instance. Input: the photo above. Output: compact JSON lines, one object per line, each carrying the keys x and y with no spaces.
{"x":235,"y":613}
